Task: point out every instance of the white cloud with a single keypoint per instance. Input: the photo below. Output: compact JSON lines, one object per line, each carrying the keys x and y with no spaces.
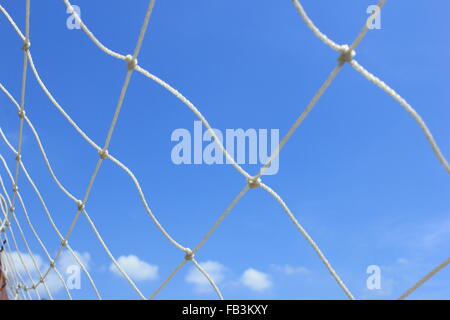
{"x":137,"y":269}
{"x":66,"y":260}
{"x":256,"y":280}
{"x":23,"y":262}
{"x":215,"y":270}
{"x":52,"y":281}
{"x":291,"y":270}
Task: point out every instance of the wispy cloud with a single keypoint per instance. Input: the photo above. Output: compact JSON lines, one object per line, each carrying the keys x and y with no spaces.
{"x":437,"y":234}
{"x":291,"y":270}
{"x":424,"y":235}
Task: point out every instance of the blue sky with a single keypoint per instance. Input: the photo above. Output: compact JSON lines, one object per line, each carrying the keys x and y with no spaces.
{"x":358,"y":173}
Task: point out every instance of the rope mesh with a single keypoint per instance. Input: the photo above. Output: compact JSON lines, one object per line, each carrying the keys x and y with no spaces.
{"x":17,"y":286}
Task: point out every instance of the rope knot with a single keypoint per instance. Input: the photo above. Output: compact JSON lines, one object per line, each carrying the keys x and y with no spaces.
{"x":80,"y":205}
{"x":132,"y":62}
{"x":52,"y":264}
{"x":64,"y":242}
{"x":11,"y":209}
{"x":103,"y":154}
{"x":26,"y":45}
{"x":189,"y":254}
{"x":347,"y":54}
{"x":6,"y":225}
{"x":21,"y":114}
{"x":18,"y":157}
{"x":253,"y":182}
{"x":15,"y":188}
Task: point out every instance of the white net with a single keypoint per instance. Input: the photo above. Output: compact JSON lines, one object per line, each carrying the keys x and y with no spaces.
{"x":21,"y":282}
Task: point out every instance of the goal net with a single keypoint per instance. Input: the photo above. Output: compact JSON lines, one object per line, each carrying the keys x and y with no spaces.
{"x":75,"y":185}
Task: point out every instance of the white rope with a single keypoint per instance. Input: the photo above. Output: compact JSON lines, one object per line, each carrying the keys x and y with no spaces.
{"x":383,"y":86}
{"x":199,"y":115}
{"x":8,"y":17}
{"x":8,"y":225}
{"x":47,"y":254}
{"x":64,"y":241}
{"x":310,"y":24}
{"x":365,"y":28}
{"x":301,"y":118}
{"x":31,"y":254}
{"x":90,"y":35}
{"x":17,"y":280}
{"x":425,"y":279}
{"x":16,"y":276}
{"x":190,"y":254}
{"x":309,"y":239}
{"x":195,"y":110}
{"x":25,"y":48}
{"x":207,"y":276}
{"x":103,"y":151}
{"x":37,"y":190}
{"x":30,"y":223}
{"x":168,"y":279}
{"x":67,"y":192}
{"x":160,"y":82}
{"x":81,"y":207}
